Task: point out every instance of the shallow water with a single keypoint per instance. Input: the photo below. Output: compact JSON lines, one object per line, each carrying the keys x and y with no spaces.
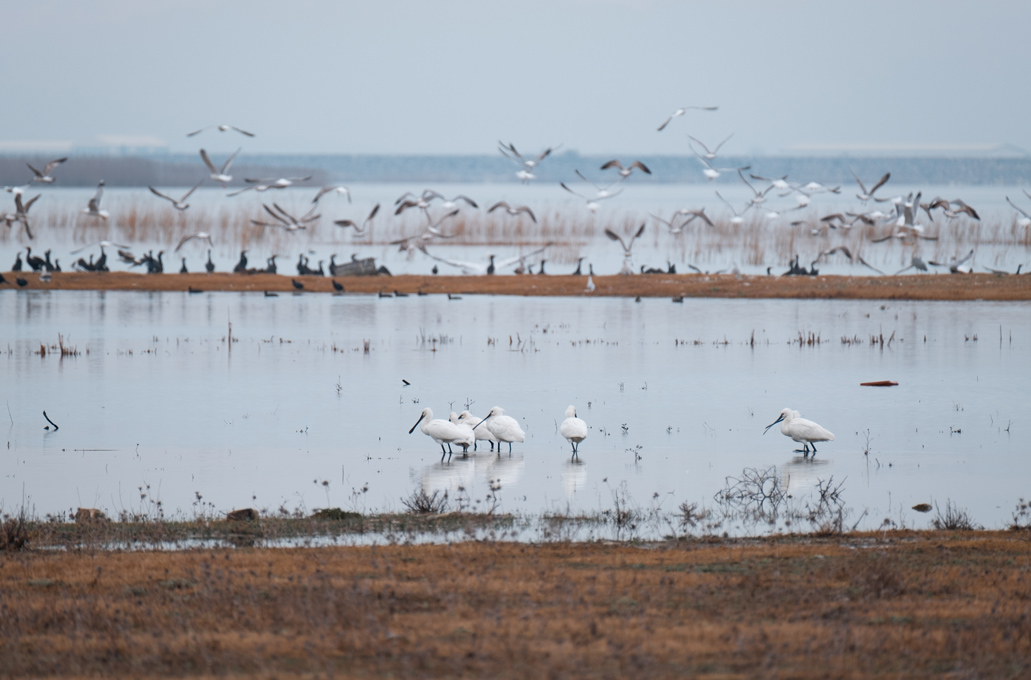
{"x":157,"y":407}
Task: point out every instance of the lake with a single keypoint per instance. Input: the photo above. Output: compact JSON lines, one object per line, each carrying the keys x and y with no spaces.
{"x":306,"y":407}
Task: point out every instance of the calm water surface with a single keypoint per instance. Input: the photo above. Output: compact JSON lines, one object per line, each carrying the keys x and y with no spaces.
{"x":676,"y":398}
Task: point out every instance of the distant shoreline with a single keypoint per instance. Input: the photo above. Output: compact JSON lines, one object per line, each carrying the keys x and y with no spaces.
{"x":918,"y":287}
{"x":84,"y":169}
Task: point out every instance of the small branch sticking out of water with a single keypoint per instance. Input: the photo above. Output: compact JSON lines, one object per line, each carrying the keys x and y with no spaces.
{"x":56,"y":428}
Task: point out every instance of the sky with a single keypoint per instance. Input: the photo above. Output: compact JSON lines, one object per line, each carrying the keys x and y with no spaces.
{"x":596,"y":76}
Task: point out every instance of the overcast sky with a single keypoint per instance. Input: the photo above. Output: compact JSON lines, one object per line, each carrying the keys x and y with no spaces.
{"x":597,"y":76}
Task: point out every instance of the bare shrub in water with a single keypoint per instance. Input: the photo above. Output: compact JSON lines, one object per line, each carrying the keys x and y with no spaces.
{"x":757,"y":492}
{"x":422,"y":503}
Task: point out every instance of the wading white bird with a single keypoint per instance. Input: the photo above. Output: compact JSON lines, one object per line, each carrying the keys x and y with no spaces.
{"x":504,"y":428}
{"x":481,"y":432}
{"x":573,"y":429}
{"x":806,"y":432}
{"x":220,"y":176}
{"x":44,"y":176}
{"x":181,"y":204}
{"x":93,"y":210}
{"x":469,"y":438}
{"x":440,"y":431}
{"x":680,"y":112}
{"x":220,"y":128}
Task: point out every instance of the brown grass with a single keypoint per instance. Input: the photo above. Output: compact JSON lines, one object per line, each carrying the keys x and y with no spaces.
{"x":898,"y":605}
{"x":944,"y":287}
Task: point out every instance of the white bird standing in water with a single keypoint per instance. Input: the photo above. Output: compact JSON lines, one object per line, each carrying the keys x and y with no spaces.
{"x":481,"y":432}
{"x":573,"y":429}
{"x":504,"y":428}
{"x":469,"y":437}
{"x":440,"y":431}
{"x":801,"y":430}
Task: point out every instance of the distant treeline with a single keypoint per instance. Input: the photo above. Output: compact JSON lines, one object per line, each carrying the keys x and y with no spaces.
{"x":172,"y":170}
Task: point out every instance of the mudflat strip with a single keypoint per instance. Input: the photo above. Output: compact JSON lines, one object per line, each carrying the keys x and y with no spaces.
{"x":922,"y":287}
{"x":895,"y":604}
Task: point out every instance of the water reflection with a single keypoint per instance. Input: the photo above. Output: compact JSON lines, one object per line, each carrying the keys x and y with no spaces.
{"x":802,"y":475}
{"x":451,"y":477}
{"x":574,"y":476}
{"x":503,"y":471}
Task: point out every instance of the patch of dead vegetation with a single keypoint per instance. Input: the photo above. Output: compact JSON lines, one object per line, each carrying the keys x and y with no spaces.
{"x":866,"y":605}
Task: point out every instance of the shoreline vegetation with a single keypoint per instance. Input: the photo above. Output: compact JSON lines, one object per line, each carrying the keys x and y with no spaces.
{"x":809,"y":605}
{"x":967,"y":287}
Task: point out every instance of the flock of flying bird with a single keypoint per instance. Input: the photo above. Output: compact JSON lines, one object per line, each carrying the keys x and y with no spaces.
{"x":901,"y":214}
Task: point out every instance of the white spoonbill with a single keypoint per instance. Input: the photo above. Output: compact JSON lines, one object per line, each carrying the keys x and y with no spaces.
{"x":573,"y":429}
{"x":468,"y":437}
{"x":481,"y":432}
{"x":504,"y":428}
{"x":440,"y":431}
{"x":801,"y":430}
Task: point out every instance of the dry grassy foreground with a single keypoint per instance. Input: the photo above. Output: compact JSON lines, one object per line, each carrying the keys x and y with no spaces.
{"x":903,"y":605}
{"x":926,"y":287}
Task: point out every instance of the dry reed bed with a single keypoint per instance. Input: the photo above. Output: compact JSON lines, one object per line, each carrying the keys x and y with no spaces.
{"x":756,"y":242}
{"x":945,"y":287}
{"x":901,"y":604}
